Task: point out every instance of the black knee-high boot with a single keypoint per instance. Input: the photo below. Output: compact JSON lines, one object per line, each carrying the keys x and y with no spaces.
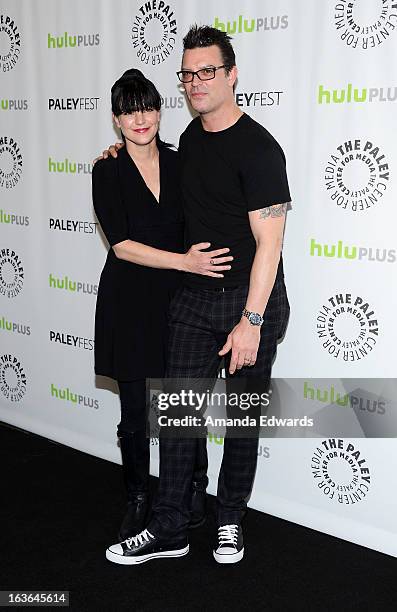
{"x":135,"y":454}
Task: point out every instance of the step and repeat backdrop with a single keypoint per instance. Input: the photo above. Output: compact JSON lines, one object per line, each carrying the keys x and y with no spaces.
{"x":320,"y":76}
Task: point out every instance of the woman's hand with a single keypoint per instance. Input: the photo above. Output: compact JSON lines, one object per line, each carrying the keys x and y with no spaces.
{"x":112,"y":150}
{"x":207,"y":263}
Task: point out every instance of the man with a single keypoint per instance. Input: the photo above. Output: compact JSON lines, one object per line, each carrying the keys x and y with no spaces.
{"x":235,"y":193}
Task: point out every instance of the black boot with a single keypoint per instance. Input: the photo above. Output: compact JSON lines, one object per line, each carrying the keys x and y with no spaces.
{"x":135,"y":454}
{"x":198,"y":506}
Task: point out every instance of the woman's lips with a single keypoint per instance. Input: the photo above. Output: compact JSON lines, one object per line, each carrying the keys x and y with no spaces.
{"x":141,"y":130}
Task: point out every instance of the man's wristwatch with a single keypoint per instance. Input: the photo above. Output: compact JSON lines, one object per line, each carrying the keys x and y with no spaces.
{"x":253,"y":317}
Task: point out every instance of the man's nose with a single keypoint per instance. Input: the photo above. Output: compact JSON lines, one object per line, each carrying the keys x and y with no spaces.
{"x":197,"y":82}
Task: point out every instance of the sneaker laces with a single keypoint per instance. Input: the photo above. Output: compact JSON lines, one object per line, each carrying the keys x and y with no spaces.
{"x":139,"y":539}
{"x":228,"y":534}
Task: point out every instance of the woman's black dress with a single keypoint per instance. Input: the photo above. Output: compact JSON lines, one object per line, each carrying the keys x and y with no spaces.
{"x":131,"y":320}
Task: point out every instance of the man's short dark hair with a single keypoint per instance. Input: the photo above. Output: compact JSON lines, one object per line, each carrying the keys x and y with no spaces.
{"x":206,"y":36}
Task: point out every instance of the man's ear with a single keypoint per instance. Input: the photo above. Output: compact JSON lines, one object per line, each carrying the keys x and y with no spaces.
{"x":232,"y":76}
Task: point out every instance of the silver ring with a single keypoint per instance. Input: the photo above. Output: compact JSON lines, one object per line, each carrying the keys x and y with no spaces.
{"x":211,"y":262}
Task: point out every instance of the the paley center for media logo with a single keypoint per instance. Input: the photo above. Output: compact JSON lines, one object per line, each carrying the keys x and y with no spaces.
{"x":12,"y":274}
{"x":340,"y":471}
{"x":347,"y":327}
{"x":13,"y":381}
{"x":365,"y":25}
{"x":357,"y":174}
{"x":10,"y":162}
{"x":10,"y":43}
{"x":153,"y":32}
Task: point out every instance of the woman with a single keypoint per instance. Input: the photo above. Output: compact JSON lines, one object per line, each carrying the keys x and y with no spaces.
{"x":138,"y":204}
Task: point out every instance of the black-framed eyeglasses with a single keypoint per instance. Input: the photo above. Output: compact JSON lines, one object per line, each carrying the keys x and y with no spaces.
{"x":204,"y":74}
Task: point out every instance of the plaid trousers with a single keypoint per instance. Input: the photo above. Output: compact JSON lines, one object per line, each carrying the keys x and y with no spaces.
{"x":200,"y":320}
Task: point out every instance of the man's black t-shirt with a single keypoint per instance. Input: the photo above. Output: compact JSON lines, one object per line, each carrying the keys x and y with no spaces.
{"x":224,"y":175}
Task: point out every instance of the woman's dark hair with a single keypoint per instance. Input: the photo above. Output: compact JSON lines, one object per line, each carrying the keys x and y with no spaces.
{"x":133,"y":92}
{"x":206,"y":36}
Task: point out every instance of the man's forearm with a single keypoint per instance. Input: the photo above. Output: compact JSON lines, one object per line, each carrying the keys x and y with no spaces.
{"x":263,"y":274}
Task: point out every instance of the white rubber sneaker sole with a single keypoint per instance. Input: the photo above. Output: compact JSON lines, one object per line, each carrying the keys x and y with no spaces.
{"x":121,"y":560}
{"x":234,"y":558}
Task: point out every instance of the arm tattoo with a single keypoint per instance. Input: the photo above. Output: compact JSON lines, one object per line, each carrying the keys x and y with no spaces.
{"x":277,"y":210}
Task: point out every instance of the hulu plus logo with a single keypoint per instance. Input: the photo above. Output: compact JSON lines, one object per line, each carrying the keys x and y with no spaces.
{"x":67,"y":395}
{"x":70,"y":41}
{"x":15,"y":328}
{"x":67,"y":284}
{"x":241,"y":25}
{"x":13,"y":219}
{"x":13,"y":105}
{"x":68,"y":167}
{"x":328,"y":396}
{"x":352,"y":94}
{"x":344,"y":251}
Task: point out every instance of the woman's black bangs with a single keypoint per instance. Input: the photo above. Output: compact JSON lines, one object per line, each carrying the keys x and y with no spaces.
{"x":135,"y":97}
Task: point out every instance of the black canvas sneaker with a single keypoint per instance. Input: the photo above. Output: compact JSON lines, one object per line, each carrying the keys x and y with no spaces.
{"x":230,"y":544}
{"x":144,"y":547}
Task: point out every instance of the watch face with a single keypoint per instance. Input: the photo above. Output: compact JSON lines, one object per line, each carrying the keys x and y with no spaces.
{"x":255,"y":318}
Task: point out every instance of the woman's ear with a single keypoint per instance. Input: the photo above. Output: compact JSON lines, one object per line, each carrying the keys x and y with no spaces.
{"x":115,"y":119}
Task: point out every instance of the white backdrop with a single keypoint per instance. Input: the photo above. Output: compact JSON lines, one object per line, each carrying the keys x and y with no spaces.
{"x":318,"y":75}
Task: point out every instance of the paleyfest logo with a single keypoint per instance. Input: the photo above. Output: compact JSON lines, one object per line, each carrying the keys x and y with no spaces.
{"x":10,"y":162}
{"x":153,"y":32}
{"x":10,"y":43}
{"x":11,"y":273}
{"x":365,"y":25}
{"x":357,"y":175}
{"x":12,"y":378}
{"x":347,"y":327}
{"x":340,"y":471}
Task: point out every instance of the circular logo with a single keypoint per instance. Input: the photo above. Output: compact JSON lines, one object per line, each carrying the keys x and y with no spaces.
{"x":357,"y":175}
{"x":11,"y":273}
{"x":12,"y":378}
{"x":347,"y":327}
{"x":340,"y":471}
{"x":10,"y":43}
{"x":10,"y":162}
{"x":153,"y":32}
{"x":365,"y":24}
